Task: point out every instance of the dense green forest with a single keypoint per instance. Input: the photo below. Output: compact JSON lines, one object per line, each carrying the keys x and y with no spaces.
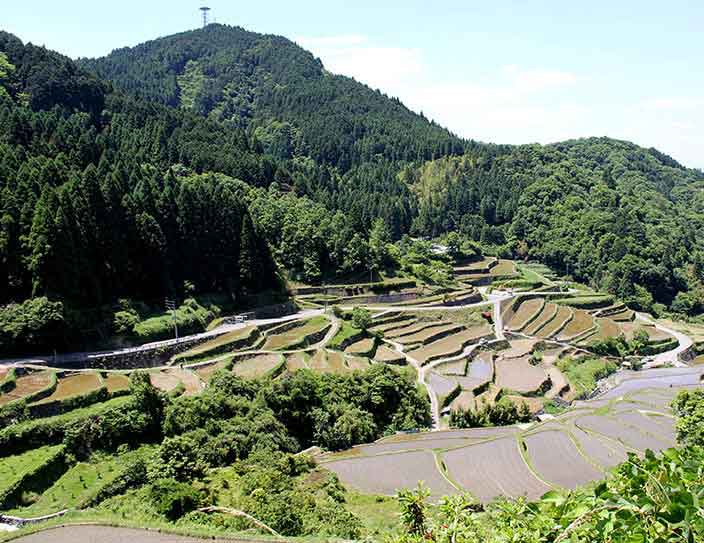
{"x":223,"y":161}
{"x":624,"y":218}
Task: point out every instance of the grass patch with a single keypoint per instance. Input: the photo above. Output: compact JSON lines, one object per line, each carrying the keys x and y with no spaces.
{"x":347,"y":330}
{"x":583,"y":373}
{"x":379,"y":514}
{"x":14,"y":468}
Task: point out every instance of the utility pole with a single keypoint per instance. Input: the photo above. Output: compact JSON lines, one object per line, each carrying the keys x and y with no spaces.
{"x":171,"y":306}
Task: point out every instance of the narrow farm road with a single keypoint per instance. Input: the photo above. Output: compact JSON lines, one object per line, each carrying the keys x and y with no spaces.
{"x":671,"y":356}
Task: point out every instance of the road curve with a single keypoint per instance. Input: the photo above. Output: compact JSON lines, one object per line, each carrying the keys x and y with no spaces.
{"x":108,"y":534}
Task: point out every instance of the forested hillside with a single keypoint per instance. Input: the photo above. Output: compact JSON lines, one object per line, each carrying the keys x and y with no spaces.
{"x":608,"y":212}
{"x":224,"y":160}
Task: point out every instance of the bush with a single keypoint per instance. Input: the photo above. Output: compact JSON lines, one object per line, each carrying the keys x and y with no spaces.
{"x":124,"y":322}
{"x":361,"y":318}
{"x":173,"y":499}
{"x":36,"y":324}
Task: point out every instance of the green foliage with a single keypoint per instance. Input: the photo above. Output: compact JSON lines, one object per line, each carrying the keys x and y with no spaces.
{"x":190,"y":317}
{"x":36,"y":323}
{"x":689,"y":409}
{"x":583,"y":373}
{"x":502,"y":413}
{"x":173,"y":499}
{"x":413,"y":509}
{"x":361,"y":318}
{"x":9,"y":382}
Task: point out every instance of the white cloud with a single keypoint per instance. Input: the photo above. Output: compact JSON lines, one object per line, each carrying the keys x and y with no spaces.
{"x":516,"y":104}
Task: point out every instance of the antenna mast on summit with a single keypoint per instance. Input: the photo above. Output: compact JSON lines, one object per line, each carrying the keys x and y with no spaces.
{"x":205,"y":11}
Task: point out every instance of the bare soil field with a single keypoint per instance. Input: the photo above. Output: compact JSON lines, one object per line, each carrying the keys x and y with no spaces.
{"x":73,"y":385}
{"x":191,"y":381}
{"x":519,"y":348}
{"x":563,"y":314}
{"x":364,"y":347}
{"x":296,"y":361}
{"x":164,"y":381}
{"x":205,"y":372}
{"x":580,"y":323}
{"x":295,"y":335}
{"x":387,"y":327}
{"x":26,"y":385}
{"x":546,"y":315}
{"x":526,"y":311}
{"x":556,"y":459}
{"x":456,"y":367}
{"x":357,"y":363}
{"x":413,"y":327}
{"x":427,"y":335}
{"x":519,"y":375}
{"x":260,"y":365}
{"x":606,"y":329}
{"x":451,"y":345}
{"x":388,"y":355}
{"x":116,"y":382}
{"x":493,"y":469}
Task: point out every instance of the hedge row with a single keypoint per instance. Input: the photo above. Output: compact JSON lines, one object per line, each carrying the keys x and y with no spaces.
{"x":31,"y":434}
{"x":37,"y":479}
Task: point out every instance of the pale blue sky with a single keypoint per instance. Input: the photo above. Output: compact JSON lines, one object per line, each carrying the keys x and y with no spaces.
{"x":501,"y":71}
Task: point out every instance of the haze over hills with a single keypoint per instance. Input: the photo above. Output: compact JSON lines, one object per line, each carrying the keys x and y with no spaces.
{"x":135,"y":137}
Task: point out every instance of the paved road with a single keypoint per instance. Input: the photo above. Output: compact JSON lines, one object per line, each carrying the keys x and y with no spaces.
{"x":672,"y":356}
{"x":106,"y":534}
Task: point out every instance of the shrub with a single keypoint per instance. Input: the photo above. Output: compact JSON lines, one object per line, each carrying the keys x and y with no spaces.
{"x":36,"y":324}
{"x":361,"y":318}
{"x":173,"y":499}
{"x":124,"y":322}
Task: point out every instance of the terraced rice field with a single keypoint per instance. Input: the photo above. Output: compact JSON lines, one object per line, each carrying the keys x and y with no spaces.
{"x":606,"y":329}
{"x":451,"y":345}
{"x":164,"y":381}
{"x":357,"y":363}
{"x":548,"y":312}
{"x":26,"y":385}
{"x":411,"y":327}
{"x":525,"y":313}
{"x":436,"y":331}
{"x":493,"y":469}
{"x":364,"y":347}
{"x":296,"y":361}
{"x":385,"y":474}
{"x":581,"y":322}
{"x":557,"y":460}
{"x":257,"y":366}
{"x":74,"y":385}
{"x":296,"y":335}
{"x":116,"y":382}
{"x":388,"y":326}
{"x":389,"y":356}
{"x":220,"y":343}
{"x":191,"y":381}
{"x":504,"y":267}
{"x":206,"y":371}
{"x":554,"y":325}
{"x":574,"y":448}
{"x":520,"y":375}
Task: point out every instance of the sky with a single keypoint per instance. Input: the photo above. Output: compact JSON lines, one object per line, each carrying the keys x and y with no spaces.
{"x":497,"y":71}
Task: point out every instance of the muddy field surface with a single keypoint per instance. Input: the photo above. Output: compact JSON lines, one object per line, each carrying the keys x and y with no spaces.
{"x":572,"y":449}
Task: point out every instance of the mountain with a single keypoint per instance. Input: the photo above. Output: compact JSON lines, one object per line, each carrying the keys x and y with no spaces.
{"x":215,"y":157}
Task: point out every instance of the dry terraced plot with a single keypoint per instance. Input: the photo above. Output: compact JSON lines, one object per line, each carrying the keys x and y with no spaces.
{"x":257,"y":366}
{"x":116,"y":382}
{"x":520,"y":375}
{"x":27,"y":385}
{"x":450,"y":346}
{"x":526,"y":312}
{"x":296,"y":335}
{"x":74,"y":385}
{"x":581,"y":323}
{"x":554,"y":325}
